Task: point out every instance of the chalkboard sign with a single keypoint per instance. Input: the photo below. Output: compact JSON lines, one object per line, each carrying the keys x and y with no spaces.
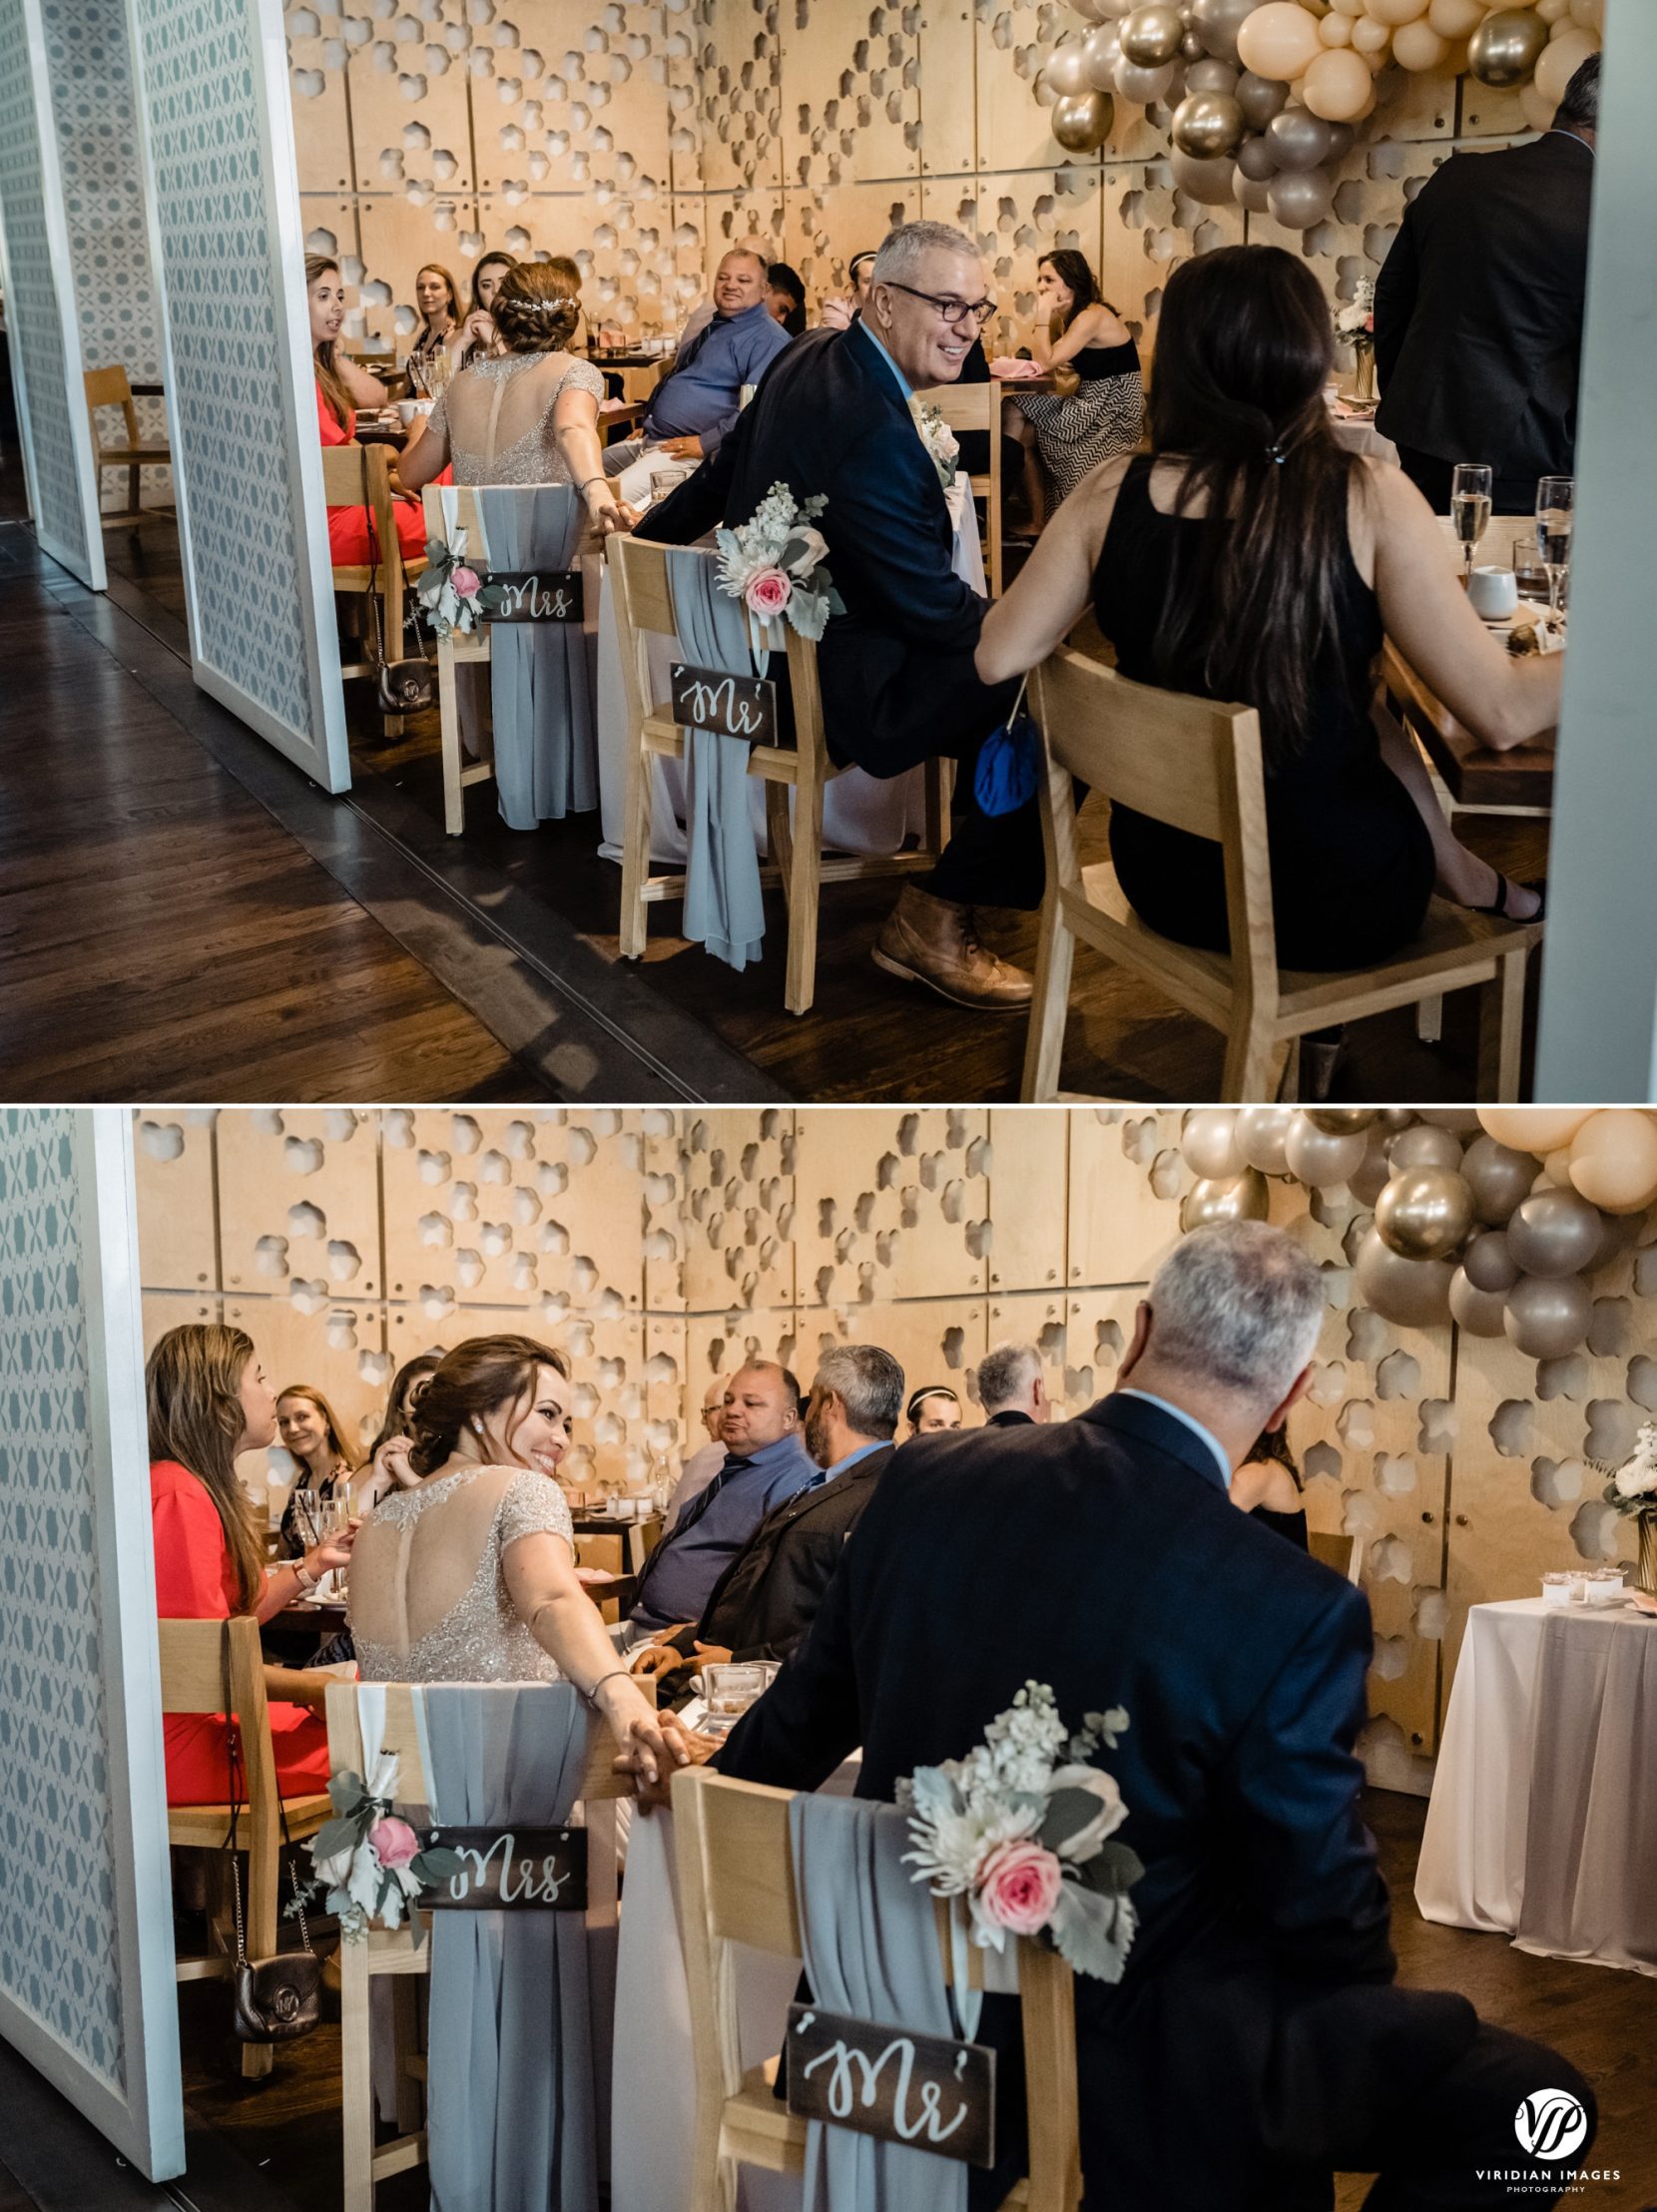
{"x":533,"y":595}
{"x":923,"y":2090}
{"x":742,"y":706}
{"x":510,"y":1869}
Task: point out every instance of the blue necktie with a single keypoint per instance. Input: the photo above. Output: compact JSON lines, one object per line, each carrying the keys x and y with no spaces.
{"x":688,"y":1519}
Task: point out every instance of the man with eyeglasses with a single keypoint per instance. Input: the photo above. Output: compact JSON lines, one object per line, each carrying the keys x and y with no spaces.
{"x":836,"y":415}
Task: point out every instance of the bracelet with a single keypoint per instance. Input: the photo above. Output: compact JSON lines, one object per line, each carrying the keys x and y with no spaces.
{"x":306,"y":1579}
{"x":593,"y":480}
{"x":624,"y":1673}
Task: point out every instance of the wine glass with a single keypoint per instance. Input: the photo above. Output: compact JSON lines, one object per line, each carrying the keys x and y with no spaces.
{"x":307,"y":1509}
{"x":1469,"y":505}
{"x":1555,"y":504}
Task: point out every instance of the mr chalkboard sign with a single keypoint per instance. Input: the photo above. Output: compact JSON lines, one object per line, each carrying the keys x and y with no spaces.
{"x":510,"y":1869}
{"x":742,"y":706}
{"x":532,"y":595}
{"x":923,"y":2090}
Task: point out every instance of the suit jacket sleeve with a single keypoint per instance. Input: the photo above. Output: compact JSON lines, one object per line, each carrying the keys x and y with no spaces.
{"x":810,"y":1718}
{"x":698,"y":505}
{"x":878,"y":505}
{"x":1305,"y":1861}
{"x":811,"y":1569}
{"x":1396,"y":297}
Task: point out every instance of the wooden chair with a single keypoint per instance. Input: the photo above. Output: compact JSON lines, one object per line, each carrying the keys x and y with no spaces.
{"x":361,"y":476}
{"x":978,"y":407}
{"x":1196,"y":765}
{"x":1337,"y":1550}
{"x":392,"y":1951}
{"x":194,"y":1657}
{"x":642,"y":587}
{"x":109,"y":387}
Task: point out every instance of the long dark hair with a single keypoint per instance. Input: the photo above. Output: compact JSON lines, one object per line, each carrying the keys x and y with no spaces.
{"x":1272,"y":1443}
{"x":490,"y":261}
{"x":1075,"y":273}
{"x":193,"y":1393}
{"x":400,"y":1405}
{"x":1244,"y":347}
{"x":327,"y":369}
{"x":474,"y":1380}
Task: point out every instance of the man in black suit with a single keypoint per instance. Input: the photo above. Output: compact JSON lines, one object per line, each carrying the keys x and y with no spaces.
{"x":1478,"y":311}
{"x":1011,"y":1387}
{"x":1256,"y":2042}
{"x":835,"y":415}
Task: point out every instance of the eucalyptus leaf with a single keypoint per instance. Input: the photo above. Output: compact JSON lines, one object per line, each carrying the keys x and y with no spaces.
{"x":344,"y":1790}
{"x":335,"y":1835}
{"x":1113,"y":1869}
{"x":1083,"y":1932}
{"x":437,"y":1864}
{"x":1068,"y":1813}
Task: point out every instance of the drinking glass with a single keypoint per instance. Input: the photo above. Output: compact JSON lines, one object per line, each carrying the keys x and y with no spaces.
{"x":1528,"y":572}
{"x":1555,"y":505}
{"x":306,"y":1508}
{"x":1469,"y":506}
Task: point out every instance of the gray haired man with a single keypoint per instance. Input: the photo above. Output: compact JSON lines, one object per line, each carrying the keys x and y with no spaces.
{"x":1011,"y":1386}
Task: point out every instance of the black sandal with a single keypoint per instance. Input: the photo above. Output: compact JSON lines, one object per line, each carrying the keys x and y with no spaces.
{"x":1538,"y":885}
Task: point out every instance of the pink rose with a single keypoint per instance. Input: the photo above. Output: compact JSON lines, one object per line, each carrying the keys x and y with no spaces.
{"x":1019,"y":1887}
{"x":769,"y":592}
{"x":466,"y":583}
{"x":393,"y":1842}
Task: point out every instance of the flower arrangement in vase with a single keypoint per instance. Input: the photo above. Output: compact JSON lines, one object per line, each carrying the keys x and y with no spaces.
{"x":1633,"y":1491}
{"x":1356,"y":322}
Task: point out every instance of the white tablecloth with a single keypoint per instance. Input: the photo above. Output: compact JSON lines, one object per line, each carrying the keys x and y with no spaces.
{"x":1474,"y":1863}
{"x":1357,"y":433}
{"x":860,"y":813}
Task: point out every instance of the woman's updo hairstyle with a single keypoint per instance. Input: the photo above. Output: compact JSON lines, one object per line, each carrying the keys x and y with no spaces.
{"x":470,"y":1384}
{"x":533,"y":310}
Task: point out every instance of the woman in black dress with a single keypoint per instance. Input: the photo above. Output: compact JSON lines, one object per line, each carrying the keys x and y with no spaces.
{"x":1268,"y":1485}
{"x":1248,"y":557}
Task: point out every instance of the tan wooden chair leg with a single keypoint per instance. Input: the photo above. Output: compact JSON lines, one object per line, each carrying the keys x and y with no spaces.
{"x":636,"y":852}
{"x":449,"y":707}
{"x":356,"y":2083}
{"x":803,"y":880}
{"x":264,"y":1871}
{"x":1049,"y":1007}
{"x":1501,"y":1031}
{"x":1288,"y":1089}
{"x":1251,"y":1064}
{"x":405,"y":2016}
{"x":1055,"y":2183}
{"x":779,"y":837}
{"x":940,"y":789}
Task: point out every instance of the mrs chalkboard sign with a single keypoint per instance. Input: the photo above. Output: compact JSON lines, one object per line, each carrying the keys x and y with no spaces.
{"x":508,"y":1869}
{"x":923,"y":2090}
{"x":532,"y":595}
{"x":742,"y":706}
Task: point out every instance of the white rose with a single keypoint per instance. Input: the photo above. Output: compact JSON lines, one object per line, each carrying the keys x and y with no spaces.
{"x":1635,"y":1479}
{"x":334,"y":1871}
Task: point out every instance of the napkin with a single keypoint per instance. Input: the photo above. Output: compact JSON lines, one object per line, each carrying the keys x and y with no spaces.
{"x":1006,"y":368}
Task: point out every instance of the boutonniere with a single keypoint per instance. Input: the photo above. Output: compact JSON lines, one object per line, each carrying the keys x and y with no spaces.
{"x":939,"y":440}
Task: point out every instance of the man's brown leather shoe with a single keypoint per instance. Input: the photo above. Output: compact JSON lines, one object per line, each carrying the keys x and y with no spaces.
{"x":933,"y":941}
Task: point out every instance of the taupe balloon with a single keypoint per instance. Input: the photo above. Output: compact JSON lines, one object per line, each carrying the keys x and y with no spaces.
{"x":1488,"y":1264}
{"x":1414,"y":1292}
{"x":1299,"y":139}
{"x":1396,"y":1118}
{"x":1151,"y":35}
{"x":1210,"y":74}
{"x":1220,"y":21}
{"x":1209,"y":181}
{"x":1617,"y":1233}
{"x":1506,"y":47}
{"x":1317,"y":1158}
{"x":1253,"y":192}
{"x":1260,"y":98}
{"x":1144,"y":87}
{"x":1101,"y":52}
{"x":1425,"y":1212}
{"x":1208,"y":1146}
{"x":1242,"y":1198}
{"x":1066,"y":71}
{"x":1554,"y":1233}
{"x":1341,"y":1120}
{"x":1341,"y":137}
{"x":1547,"y":1316}
{"x":1255,"y":161}
{"x":1375,"y":1170}
{"x":1426,"y":1147}
{"x":1207,"y":125}
{"x":1082,"y":121}
{"x":1191,"y":48}
{"x":1501,"y":1178}
{"x":1481,"y":1312}
{"x":1261,"y":1131}
{"x":1299,"y":200}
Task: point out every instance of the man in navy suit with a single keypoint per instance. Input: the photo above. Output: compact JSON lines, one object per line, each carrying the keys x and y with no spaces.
{"x":835,"y":414}
{"x":1258,"y":2042}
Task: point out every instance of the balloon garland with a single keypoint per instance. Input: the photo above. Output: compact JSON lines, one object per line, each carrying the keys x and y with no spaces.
{"x":1262,"y":98}
{"x":1496,"y":1222}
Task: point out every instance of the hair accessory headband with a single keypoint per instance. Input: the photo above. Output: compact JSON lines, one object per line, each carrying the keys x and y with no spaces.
{"x":1275,"y":452}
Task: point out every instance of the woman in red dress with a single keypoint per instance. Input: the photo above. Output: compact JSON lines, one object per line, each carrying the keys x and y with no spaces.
{"x":341,"y":387}
{"x":208,"y":1402}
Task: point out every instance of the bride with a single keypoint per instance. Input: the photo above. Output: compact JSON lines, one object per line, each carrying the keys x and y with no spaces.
{"x":470,"y":1576}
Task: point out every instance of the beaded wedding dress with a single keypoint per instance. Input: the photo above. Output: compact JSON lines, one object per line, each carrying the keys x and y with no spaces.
{"x":498,"y":415}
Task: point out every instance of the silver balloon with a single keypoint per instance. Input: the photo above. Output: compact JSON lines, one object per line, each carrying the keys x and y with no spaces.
{"x":1414,"y":1292}
{"x":1342,"y":138}
{"x":1255,"y":161}
{"x":1101,"y":52}
{"x":1144,"y":87}
{"x":1618,"y":1232}
{"x":1209,"y":76}
{"x":1209,"y":181}
{"x":1375,"y":1170}
{"x":1425,"y":1212}
{"x":1066,"y":71}
{"x":1082,"y":121}
{"x":1547,"y":1316}
{"x":1501,"y":1178}
{"x":1341,"y":1120}
{"x":1299,"y":139}
{"x":1462,"y":1120}
{"x":1208,"y":1146}
{"x":1239,"y":1198}
{"x":1261,"y":1131}
{"x":1045,"y":95}
{"x":1260,"y":98}
{"x":1299,"y":200}
{"x":1220,"y":21}
{"x":1317,"y":1158}
{"x":1253,"y":192}
{"x":1424,"y":1147}
{"x":1554,"y":1232}
{"x":1191,"y":48}
{"x":1506,"y":47}
{"x":1208,"y":126}
{"x":1481,"y":1312}
{"x":1488,"y":1264}
{"x":1396,"y":1118}
{"x":1151,"y":35}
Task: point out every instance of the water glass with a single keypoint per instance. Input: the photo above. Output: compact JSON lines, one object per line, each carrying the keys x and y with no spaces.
{"x":1472,"y":490}
{"x":1528,"y":572}
{"x":1555,"y":510}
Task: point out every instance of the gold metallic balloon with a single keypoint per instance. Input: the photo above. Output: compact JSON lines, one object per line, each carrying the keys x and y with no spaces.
{"x":1425,"y":1212}
{"x":1151,"y":35}
{"x":1082,"y":121}
{"x":1244,"y":1198}
{"x":1506,"y":47}
{"x":1339,"y":1121}
{"x":1208,"y":125}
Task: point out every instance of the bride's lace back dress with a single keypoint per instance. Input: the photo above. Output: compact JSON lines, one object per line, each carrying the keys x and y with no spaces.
{"x":428,"y":1594}
{"x":498,"y":417}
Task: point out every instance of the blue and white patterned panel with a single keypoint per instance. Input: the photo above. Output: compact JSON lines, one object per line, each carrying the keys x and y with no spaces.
{"x":59,"y":1955}
{"x":90,"y":77}
{"x":31,"y":311}
{"x":201,"y":84}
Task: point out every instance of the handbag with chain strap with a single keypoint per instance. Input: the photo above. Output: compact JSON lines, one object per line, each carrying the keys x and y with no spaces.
{"x":273,"y":1999}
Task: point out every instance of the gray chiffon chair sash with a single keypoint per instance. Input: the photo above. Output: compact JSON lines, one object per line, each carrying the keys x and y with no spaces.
{"x":1591,"y":1835}
{"x":870,"y":1947}
{"x":510,"y":2084}
{"x":723,"y":907}
{"x":541,"y":696}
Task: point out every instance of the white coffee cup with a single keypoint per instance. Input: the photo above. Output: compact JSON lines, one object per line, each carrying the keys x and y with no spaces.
{"x":1493,"y":593}
{"x":407,"y":409}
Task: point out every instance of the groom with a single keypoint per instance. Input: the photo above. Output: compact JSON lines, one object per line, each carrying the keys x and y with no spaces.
{"x":833,"y":415}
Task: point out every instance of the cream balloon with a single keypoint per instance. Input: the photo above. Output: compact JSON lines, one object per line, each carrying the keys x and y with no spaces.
{"x":1589,"y":13}
{"x":1208,"y":126}
{"x":1539,"y":1129}
{"x":1553,"y":11}
{"x":1315,"y":1158}
{"x":1425,"y":1212}
{"x":1412,"y":1293}
{"x":1066,"y":71}
{"x":1151,"y":35}
{"x":1554,"y":1232}
{"x":1614,"y":1160}
{"x":1301,"y":199}
{"x":1261,"y":1131}
{"x":1455,"y":18}
{"x":1241,"y":1198}
{"x":1218,"y":22}
{"x":1208,"y":1143}
{"x":1417,"y":45}
{"x":1538,"y":112}
{"x":1481,"y":1312}
{"x":1498,"y":1177}
{"x":1562,"y":59}
{"x":1371,"y":37}
{"x":1260,"y":98}
{"x":1209,"y":181}
{"x":1335,"y":30}
{"x":1279,"y":40}
{"x":1488,"y":1264}
{"x":1426,"y":1147}
{"x":1395,"y":12}
{"x":1082,"y":121}
{"x":1547,"y":1316}
{"x":1338,"y":84}
{"x":1506,"y":47}
{"x":1101,"y":56}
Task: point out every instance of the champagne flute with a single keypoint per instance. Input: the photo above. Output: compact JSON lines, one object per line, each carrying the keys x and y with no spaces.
{"x":307,"y":1507}
{"x":1470,"y":492}
{"x":1555,"y":505}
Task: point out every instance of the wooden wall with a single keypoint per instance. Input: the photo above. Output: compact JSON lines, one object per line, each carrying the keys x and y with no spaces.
{"x":657,"y":1249}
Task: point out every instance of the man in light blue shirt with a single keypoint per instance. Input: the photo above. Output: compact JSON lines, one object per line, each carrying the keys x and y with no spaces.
{"x":700,"y":398}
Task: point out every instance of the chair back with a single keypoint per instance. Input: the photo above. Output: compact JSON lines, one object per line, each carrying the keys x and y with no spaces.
{"x":1337,"y":1550}
{"x":196,"y":1660}
{"x":361,"y":476}
{"x":965,"y":406}
{"x":402,"y":1736}
{"x":111,"y":387}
